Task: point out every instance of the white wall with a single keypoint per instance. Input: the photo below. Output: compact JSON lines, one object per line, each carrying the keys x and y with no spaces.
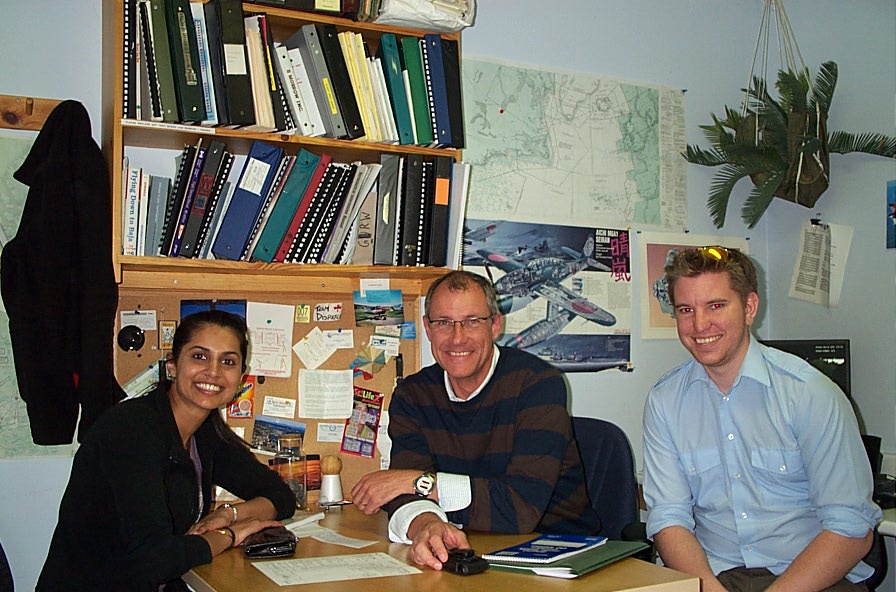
{"x":704,"y":46}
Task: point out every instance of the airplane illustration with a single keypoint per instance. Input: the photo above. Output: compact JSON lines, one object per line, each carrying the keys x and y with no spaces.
{"x":540,"y":277}
{"x":479,"y":234}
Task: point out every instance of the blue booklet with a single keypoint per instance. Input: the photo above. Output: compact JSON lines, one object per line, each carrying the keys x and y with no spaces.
{"x":546,"y":548}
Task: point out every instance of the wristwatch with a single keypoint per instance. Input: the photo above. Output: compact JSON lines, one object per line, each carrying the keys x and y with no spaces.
{"x":424,"y":483}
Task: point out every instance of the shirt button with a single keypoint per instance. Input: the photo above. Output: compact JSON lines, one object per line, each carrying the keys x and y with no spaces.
{"x":693,"y":469}
{"x":725,"y":398}
{"x":783,"y":468}
{"x":731,"y":436}
{"x":749,"y":547}
{"x":737,"y":475}
{"x":743,"y":515}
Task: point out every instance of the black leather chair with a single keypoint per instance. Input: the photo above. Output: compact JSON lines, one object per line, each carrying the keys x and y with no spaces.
{"x":6,"y":583}
{"x":610,"y":480}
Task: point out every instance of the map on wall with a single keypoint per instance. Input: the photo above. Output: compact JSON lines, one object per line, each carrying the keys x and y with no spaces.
{"x":15,"y":431}
{"x":571,"y":148}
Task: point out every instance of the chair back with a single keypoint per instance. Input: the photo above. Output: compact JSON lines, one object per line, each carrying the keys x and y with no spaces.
{"x":6,"y":582}
{"x":609,"y":473}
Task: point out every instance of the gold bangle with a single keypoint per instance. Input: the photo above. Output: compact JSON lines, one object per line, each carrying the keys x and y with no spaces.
{"x":227,"y":531}
{"x":232,"y":508}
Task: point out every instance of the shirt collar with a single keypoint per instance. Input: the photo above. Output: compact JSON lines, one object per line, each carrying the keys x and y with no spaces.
{"x":753,"y":367}
{"x":496,"y":353}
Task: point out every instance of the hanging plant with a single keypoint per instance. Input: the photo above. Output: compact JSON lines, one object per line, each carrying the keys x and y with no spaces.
{"x":781,"y":145}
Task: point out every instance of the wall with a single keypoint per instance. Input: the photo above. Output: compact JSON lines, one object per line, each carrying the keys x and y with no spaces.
{"x":704,"y":46}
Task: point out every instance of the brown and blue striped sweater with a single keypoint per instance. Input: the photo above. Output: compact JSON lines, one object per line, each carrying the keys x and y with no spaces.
{"x":514,"y":440}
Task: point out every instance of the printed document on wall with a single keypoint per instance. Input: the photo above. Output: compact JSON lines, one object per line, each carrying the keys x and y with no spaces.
{"x":821,"y":263}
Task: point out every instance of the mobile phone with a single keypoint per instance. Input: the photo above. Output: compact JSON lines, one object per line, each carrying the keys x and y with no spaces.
{"x":464,"y":562}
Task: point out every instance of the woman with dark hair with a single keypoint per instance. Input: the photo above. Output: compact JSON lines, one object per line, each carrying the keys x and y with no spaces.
{"x":136,"y":512}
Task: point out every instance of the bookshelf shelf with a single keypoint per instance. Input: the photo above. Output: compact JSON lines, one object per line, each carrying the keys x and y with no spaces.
{"x":202,"y":274}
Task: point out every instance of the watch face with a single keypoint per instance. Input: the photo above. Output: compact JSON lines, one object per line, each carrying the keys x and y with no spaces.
{"x":424,"y":483}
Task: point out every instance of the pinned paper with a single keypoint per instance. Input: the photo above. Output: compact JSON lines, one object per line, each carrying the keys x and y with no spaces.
{"x":313,"y":349}
{"x":303,"y":313}
{"x":279,"y":407}
{"x":328,"y":311}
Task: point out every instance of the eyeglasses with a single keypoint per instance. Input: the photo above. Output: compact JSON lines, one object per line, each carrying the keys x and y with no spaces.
{"x":470,"y":324}
{"x":715,"y":252}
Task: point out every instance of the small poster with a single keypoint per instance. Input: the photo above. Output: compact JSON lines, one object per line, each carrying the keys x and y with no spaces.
{"x":362,"y":427}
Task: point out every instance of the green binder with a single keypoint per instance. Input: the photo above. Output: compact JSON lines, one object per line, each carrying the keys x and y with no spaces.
{"x":577,"y":565}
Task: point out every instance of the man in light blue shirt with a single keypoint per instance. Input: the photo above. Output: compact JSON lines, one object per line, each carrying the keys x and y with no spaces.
{"x":754,"y":470}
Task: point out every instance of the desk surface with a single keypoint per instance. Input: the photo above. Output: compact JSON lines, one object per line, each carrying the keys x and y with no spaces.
{"x":231,"y":572}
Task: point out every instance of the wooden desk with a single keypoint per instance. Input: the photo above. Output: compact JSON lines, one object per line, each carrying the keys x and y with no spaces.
{"x":231,"y":572}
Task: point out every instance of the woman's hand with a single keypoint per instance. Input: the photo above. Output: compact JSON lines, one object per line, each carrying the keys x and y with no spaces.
{"x":221,"y":517}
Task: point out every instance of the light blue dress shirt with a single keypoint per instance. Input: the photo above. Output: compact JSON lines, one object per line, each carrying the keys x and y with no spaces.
{"x":758,"y":473}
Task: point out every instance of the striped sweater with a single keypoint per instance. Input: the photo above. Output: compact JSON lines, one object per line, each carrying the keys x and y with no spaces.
{"x":514,"y":440}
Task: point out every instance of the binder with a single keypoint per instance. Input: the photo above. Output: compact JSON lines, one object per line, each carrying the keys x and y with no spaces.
{"x":307,"y":42}
{"x":303,"y":84}
{"x":131,"y":48}
{"x":412,"y":210}
{"x":258,"y":74}
{"x":254,"y":183}
{"x":283,"y":210}
{"x":176,"y":197}
{"x":215,"y":60}
{"x":159,"y":190}
{"x":295,"y":224}
{"x":294,"y":100}
{"x":438,"y":225}
{"x":383,"y":104}
{"x":202,"y":44}
{"x":391,"y":63}
{"x":434,"y":73}
{"x":185,"y":61}
{"x":187,"y":204}
{"x":164,"y":67}
{"x":361,"y":89}
{"x":339,"y":77}
{"x":331,"y":209}
{"x":213,"y":211}
{"x":413,"y":65}
{"x":224,"y":19}
{"x":210,"y":170}
{"x":364,"y":180}
{"x":388,"y":204}
{"x":360,"y":252}
{"x":322,"y":197}
{"x":457,"y":206}
{"x":282,"y":116}
{"x":150,"y":104}
{"x":269,"y":202}
{"x":453,"y":86}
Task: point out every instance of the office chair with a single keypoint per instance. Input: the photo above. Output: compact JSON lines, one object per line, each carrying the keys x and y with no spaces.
{"x":610,"y":480}
{"x":6,"y":583}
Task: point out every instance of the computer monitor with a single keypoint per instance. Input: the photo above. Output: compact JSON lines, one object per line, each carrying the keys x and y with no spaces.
{"x":830,"y":356}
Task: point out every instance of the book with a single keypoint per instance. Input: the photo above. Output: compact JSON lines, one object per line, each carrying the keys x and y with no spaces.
{"x":142,"y":211}
{"x":213,"y":211}
{"x":361,"y":92}
{"x":412,"y":64}
{"x":185,"y":61}
{"x":546,"y":548}
{"x":149,"y":103}
{"x":577,"y":564}
{"x":283,"y":211}
{"x":130,"y":210}
{"x":436,"y":93}
{"x":453,"y":92}
{"x":306,"y":40}
{"x":159,"y":189}
{"x":254,"y":183}
{"x":340,"y":79}
{"x":227,"y":47}
{"x":383,"y":102}
{"x":258,"y":74}
{"x":130,"y":68}
{"x":361,"y":235}
{"x":391,"y":64}
{"x":294,"y":100}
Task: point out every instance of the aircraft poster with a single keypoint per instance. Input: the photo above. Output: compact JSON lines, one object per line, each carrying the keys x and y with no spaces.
{"x":565,"y":291}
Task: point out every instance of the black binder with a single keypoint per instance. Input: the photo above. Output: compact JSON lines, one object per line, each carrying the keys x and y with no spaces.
{"x":412,"y":211}
{"x":388,"y":204}
{"x":342,"y":83}
{"x":185,"y":61}
{"x":453,"y":90}
{"x":227,"y":46}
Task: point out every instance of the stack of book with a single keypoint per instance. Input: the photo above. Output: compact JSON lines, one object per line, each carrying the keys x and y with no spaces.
{"x":406,"y":209}
{"x":209,"y":63}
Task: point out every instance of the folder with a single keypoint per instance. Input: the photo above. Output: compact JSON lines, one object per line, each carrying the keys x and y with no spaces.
{"x":254,"y":183}
{"x":227,"y":33}
{"x":434,"y":71}
{"x":306,"y":40}
{"x":339,"y":77}
{"x":185,"y":61}
{"x":210,"y":170}
{"x":412,"y":210}
{"x":285,"y":208}
{"x":413,"y":65}
{"x":453,"y":86}
{"x":391,"y":62}
{"x":295,"y":225}
{"x":388,"y":204}
{"x":438,"y":221}
{"x":162,"y":55}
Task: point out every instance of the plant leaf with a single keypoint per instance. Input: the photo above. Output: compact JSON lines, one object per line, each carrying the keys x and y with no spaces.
{"x":823,"y":89}
{"x":720,"y":191}
{"x":869,"y":143}
{"x":760,"y":198}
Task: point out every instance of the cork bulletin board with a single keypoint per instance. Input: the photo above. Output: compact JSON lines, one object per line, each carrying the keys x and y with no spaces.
{"x":166,"y":310}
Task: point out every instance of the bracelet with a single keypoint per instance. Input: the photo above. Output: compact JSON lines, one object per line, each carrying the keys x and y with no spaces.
{"x":227,"y":531}
{"x":232,"y":508}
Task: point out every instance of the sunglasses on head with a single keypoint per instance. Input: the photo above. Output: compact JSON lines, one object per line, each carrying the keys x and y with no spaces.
{"x":716,"y":253}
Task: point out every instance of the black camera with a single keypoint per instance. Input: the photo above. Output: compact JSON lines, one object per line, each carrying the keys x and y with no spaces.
{"x":464,"y":562}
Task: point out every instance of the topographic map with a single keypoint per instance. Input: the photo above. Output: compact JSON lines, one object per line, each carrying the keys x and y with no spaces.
{"x":571,"y":148}
{"x":15,"y":431}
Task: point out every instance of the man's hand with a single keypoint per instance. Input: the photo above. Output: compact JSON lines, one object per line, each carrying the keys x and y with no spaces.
{"x":380,"y":487}
{"x":431,"y":540}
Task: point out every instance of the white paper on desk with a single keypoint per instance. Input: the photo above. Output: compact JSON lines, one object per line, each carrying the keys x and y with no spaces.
{"x":820,"y":267}
{"x":313,"y":570}
{"x":270,"y":326}
{"x":334,"y":538}
{"x":325,"y":394}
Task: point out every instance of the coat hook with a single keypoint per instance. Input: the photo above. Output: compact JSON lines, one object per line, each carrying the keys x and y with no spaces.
{"x":29,"y":106}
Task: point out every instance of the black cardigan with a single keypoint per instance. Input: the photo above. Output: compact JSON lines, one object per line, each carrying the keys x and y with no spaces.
{"x":132,"y":495}
{"x":58,"y":283}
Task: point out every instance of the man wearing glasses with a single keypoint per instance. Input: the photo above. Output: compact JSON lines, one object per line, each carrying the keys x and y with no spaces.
{"x":481,"y":439}
{"x":755,"y":475}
